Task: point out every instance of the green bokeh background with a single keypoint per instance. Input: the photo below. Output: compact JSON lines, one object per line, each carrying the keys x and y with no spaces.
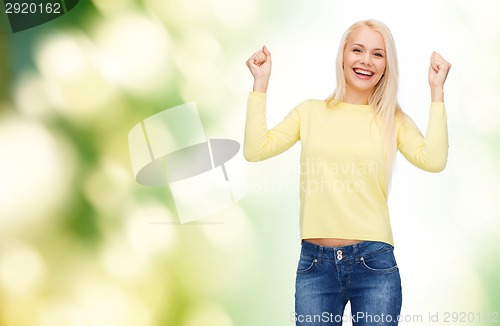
{"x":81,"y":243}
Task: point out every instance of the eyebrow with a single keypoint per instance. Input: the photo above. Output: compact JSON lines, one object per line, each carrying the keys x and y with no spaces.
{"x":361,"y":45}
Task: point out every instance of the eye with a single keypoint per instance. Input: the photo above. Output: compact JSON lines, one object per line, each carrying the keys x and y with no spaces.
{"x":356,"y":50}
{"x":380,"y":55}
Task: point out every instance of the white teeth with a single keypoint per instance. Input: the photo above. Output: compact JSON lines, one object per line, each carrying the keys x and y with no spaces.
{"x":363,"y":72}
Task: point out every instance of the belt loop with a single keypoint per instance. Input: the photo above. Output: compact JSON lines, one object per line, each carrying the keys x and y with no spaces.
{"x":355,"y":250}
{"x":320,"y":254}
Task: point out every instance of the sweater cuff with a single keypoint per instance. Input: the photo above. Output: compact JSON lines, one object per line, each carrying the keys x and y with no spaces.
{"x":256,"y":102}
{"x":257,"y":95}
{"x":437,"y":105}
{"x":438,"y":108}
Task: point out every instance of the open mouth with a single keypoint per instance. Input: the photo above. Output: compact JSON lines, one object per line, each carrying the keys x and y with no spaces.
{"x":363,"y":72}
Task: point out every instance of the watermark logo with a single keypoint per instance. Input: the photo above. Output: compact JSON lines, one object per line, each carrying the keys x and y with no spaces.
{"x":319,"y":176}
{"x":348,"y":176}
{"x":24,"y":14}
{"x":170,"y":149}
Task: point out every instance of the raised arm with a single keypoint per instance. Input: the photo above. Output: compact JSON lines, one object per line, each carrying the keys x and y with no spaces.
{"x":429,"y":153}
{"x":261,"y":143}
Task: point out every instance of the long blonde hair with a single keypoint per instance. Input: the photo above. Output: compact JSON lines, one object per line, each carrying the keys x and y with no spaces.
{"x":384,"y":99}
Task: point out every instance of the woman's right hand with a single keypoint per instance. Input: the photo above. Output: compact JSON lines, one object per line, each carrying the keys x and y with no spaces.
{"x":260,"y":67}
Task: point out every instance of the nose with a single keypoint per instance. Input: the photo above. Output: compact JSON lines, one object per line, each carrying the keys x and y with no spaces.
{"x":366,"y":59}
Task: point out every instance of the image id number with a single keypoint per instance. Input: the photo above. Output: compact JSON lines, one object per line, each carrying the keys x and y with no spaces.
{"x":32,"y":8}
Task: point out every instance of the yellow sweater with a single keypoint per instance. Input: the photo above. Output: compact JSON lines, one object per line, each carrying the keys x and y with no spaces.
{"x":343,"y":184}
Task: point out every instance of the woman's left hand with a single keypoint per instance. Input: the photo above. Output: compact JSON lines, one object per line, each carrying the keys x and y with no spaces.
{"x":438,"y":71}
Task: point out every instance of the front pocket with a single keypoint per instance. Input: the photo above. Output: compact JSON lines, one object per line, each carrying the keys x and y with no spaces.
{"x":306,"y":264}
{"x":382,"y":262}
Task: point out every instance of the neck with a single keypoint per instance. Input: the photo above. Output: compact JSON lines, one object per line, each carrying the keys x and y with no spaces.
{"x":357,"y":97}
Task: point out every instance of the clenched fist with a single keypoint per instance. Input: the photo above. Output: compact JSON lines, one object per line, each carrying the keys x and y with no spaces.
{"x":438,"y":71}
{"x":260,"y":67}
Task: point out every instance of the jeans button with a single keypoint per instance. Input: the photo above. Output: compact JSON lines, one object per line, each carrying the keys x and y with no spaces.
{"x":339,"y":254}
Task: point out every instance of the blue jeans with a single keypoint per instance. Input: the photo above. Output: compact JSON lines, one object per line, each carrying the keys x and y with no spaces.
{"x":365,"y":273}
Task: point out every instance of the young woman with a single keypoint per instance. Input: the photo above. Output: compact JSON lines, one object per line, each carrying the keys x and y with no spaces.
{"x":349,"y":142}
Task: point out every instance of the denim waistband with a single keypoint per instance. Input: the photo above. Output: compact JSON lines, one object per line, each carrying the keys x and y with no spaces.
{"x":343,"y":253}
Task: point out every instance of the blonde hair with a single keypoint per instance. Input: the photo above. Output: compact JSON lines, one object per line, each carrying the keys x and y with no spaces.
{"x":383,"y":100}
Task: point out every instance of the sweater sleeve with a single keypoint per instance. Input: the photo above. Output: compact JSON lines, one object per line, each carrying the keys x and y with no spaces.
{"x":261,"y":143}
{"x":429,"y":153}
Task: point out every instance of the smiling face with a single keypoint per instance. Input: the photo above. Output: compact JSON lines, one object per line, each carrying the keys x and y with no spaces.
{"x":364,"y":63}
